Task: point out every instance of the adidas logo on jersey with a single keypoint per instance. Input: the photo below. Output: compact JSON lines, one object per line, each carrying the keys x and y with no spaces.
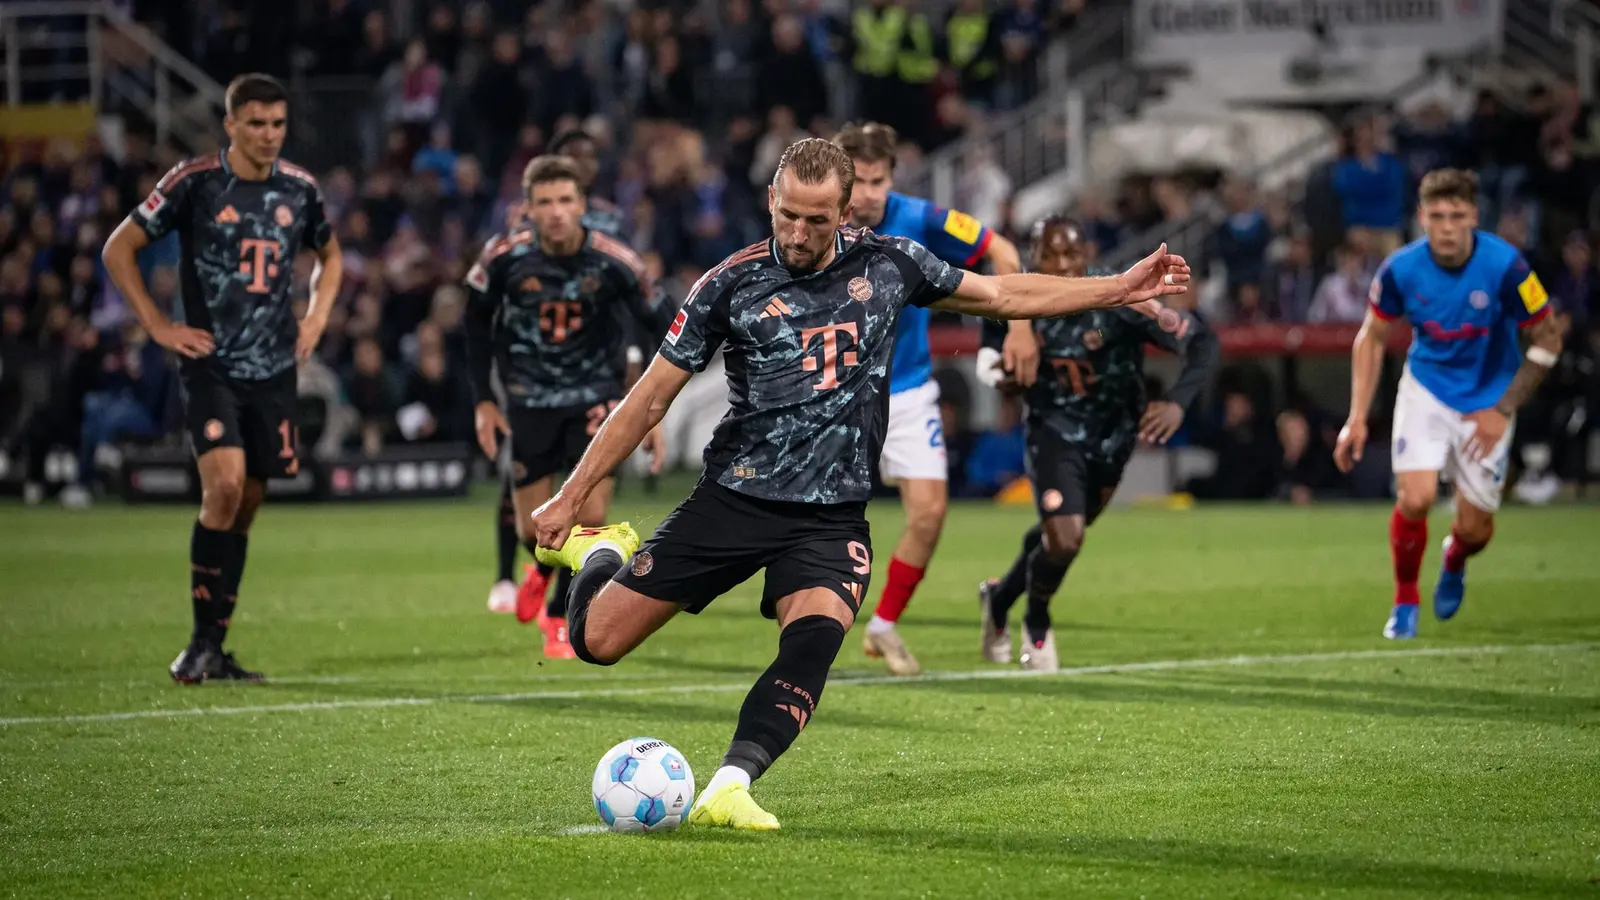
{"x":776,"y":307}
{"x":228,"y":216}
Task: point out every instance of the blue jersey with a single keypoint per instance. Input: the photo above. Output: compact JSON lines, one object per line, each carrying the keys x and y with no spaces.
{"x":953,"y":237}
{"x":1464,"y":348}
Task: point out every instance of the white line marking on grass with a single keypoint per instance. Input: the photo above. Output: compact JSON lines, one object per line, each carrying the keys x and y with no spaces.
{"x":583,"y":829}
{"x":1163,"y":665}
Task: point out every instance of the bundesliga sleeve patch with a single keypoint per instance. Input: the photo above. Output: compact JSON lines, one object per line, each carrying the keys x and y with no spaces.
{"x":477,"y":277}
{"x":153,"y":204}
{"x":962,"y":227}
{"x":1533,"y":295}
{"x":676,"y":331}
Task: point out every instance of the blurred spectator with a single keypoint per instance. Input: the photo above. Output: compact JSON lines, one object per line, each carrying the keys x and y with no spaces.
{"x":373,"y":394}
{"x":781,"y":132}
{"x":972,"y":47}
{"x":1575,"y":286}
{"x":790,"y":76}
{"x":1240,"y":242}
{"x":1426,"y":140}
{"x":1306,"y":467}
{"x":996,"y":458}
{"x":1342,"y":295}
{"x":1292,"y":283}
{"x":414,"y":88}
{"x":438,"y":158}
{"x":1372,"y":188}
{"x":563,"y":88}
{"x":1248,"y":463}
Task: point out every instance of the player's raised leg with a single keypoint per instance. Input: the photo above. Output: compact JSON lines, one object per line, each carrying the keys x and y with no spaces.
{"x":996,"y":596}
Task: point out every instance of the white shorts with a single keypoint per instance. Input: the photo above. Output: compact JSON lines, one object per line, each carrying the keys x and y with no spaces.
{"x":1431,"y":437}
{"x":914,"y":445}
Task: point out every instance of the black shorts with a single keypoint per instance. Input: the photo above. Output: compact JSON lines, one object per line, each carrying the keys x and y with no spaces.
{"x":718,"y":538}
{"x":261,"y":417}
{"x":547,"y":441}
{"x":1067,"y":481}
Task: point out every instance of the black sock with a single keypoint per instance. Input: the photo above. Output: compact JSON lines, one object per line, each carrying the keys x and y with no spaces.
{"x":786,"y":696}
{"x":1044,"y":579}
{"x":505,"y":535}
{"x":543,"y":569}
{"x":232,"y":575}
{"x":1015,"y":580}
{"x":209,"y":555}
{"x":556,"y":606}
{"x":596,"y":571}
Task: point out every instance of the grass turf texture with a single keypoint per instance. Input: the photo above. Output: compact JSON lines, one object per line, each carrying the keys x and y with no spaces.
{"x":422,"y":747}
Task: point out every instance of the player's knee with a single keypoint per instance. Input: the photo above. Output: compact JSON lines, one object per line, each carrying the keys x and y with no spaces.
{"x":599,"y":648}
{"x":220,"y":501}
{"x":1475,"y":529}
{"x":1063,"y":538}
{"x":1414,"y":502}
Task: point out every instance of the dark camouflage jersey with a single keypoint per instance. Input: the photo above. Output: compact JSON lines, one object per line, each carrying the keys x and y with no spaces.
{"x":239,"y":240}
{"x":808,"y":362}
{"x":1091,"y":387}
{"x":555,"y":327}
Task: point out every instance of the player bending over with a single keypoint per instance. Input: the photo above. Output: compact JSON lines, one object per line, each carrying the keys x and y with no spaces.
{"x":1467,"y":293}
{"x":1086,"y":410}
{"x":808,"y":322}
{"x":598,"y":215}
{"x":242,"y":216}
{"x":913,"y":449}
{"x":548,"y":310}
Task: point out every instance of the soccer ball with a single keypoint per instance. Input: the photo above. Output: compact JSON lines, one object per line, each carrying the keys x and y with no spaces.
{"x":643,"y":784}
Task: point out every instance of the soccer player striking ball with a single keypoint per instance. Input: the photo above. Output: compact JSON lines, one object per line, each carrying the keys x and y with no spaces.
{"x":1086,"y":410}
{"x":598,"y":215}
{"x":241,"y":216}
{"x":913,"y":449}
{"x":1467,"y":293}
{"x":808,"y":321}
{"x":547,"y":309}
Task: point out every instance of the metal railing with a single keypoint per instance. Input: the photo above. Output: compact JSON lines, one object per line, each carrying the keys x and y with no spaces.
{"x":92,"y":52}
{"x":1554,"y":38}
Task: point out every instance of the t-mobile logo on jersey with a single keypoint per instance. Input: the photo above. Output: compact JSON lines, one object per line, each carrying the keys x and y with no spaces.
{"x":258,"y":259}
{"x":831,"y":357}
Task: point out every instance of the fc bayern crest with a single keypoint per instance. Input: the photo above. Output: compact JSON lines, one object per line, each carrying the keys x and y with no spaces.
{"x":1094,"y":340}
{"x":284,"y":215}
{"x":860,"y":289}
{"x":1479,"y":300}
{"x":643,"y":562}
{"x":589,"y":284}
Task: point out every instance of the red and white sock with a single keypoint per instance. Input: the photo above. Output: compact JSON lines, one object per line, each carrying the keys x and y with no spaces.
{"x":902,"y":583}
{"x":1408,"y":540}
{"x":1460,"y":549}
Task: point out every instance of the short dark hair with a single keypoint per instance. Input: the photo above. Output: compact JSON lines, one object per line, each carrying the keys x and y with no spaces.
{"x":868,"y":142}
{"x":253,"y":88}
{"x":813,"y":161}
{"x":1075,"y":233}
{"x":548,"y":168}
{"x":570,"y":136}
{"x":1449,"y":184}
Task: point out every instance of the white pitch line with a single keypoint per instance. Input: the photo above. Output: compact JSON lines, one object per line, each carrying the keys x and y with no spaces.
{"x":1163,"y":665}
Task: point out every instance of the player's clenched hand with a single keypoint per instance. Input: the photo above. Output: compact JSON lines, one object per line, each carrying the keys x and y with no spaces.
{"x":553,"y":522}
{"x":1491,"y":427}
{"x":1019,"y":355}
{"x":1352,"y":442}
{"x":1157,"y":275}
{"x":490,"y":423}
{"x":191,"y":342}
{"x":1160,"y":422}
{"x":655,"y":444}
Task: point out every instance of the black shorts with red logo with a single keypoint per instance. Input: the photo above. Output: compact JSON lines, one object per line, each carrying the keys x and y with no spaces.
{"x":1068,"y":481}
{"x":261,"y":417}
{"x":547,"y":441}
{"x":718,"y":538}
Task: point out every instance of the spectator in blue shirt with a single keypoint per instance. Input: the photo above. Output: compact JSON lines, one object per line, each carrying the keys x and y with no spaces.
{"x":1372,"y":189}
{"x":1240,"y":241}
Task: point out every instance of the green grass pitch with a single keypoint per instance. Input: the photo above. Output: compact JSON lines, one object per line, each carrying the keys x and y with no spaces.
{"x":1232,"y":724}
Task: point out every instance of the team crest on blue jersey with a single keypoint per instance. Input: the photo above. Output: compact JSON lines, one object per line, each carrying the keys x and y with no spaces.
{"x":1479,"y":300}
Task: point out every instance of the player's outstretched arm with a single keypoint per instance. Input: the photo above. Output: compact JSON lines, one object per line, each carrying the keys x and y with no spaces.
{"x":120,"y":256}
{"x":1034,"y":296}
{"x":1366,"y":363}
{"x":1019,"y":354}
{"x":640,"y":411}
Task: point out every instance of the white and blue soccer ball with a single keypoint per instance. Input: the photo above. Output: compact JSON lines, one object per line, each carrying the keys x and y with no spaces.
{"x":643,"y":784}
